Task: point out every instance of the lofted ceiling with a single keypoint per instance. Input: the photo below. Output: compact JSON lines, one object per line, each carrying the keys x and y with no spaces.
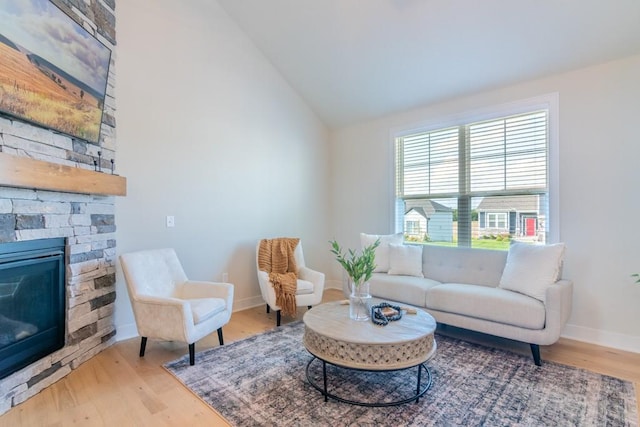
{"x":355,"y":60}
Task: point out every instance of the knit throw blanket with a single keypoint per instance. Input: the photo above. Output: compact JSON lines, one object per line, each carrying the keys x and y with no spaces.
{"x":275,"y":256}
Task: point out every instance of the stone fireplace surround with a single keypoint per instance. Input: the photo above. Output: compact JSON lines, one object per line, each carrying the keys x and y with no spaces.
{"x":86,"y":221}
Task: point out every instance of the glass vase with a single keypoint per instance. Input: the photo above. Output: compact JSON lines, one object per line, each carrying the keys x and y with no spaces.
{"x":360,"y":301}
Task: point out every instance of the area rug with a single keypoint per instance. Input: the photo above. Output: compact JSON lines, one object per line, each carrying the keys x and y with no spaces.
{"x":261,"y":381}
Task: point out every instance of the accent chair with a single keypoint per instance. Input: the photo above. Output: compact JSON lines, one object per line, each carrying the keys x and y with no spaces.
{"x":170,"y":307}
{"x":310,"y":284}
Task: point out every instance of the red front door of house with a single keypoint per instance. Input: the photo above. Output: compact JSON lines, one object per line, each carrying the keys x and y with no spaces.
{"x":530,"y":226}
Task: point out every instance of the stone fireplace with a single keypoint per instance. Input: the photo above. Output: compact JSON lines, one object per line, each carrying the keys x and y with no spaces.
{"x":83,"y":220}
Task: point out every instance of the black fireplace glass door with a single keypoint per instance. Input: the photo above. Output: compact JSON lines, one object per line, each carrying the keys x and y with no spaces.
{"x":32,"y":309}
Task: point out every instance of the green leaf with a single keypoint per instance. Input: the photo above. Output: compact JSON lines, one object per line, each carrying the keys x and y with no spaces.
{"x":358,"y":267}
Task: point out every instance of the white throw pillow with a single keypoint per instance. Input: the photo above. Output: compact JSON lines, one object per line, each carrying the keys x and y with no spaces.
{"x":405,"y":260}
{"x":382,"y":251}
{"x":531,"y":269}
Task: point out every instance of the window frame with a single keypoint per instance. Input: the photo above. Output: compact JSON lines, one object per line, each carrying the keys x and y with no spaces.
{"x":549,"y":101}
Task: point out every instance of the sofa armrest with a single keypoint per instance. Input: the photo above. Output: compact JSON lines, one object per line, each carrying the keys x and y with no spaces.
{"x":558,"y":303}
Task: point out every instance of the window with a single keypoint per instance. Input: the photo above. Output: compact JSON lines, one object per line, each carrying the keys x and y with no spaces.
{"x":478,"y":184}
{"x":496,"y":220}
{"x":413,"y":228}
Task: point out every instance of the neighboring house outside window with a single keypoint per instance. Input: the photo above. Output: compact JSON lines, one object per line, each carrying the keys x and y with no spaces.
{"x":434,"y":221}
{"x":475,"y":181}
{"x":521,"y":217}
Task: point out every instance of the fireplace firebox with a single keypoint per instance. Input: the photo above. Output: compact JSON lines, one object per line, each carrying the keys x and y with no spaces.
{"x":32,"y":301}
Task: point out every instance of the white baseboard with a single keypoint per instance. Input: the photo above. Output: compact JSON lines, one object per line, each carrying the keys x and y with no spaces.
{"x":243,"y":304}
{"x":333,"y":284}
{"x":603,"y":338}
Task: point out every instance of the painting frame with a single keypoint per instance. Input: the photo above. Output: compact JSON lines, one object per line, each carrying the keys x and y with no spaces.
{"x":53,"y":71}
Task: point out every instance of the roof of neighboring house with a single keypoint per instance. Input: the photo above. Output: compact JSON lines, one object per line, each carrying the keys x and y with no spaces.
{"x":527,"y":203}
{"x":418,"y":210}
{"x":425,"y":207}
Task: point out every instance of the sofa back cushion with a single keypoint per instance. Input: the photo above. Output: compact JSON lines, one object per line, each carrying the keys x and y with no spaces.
{"x":532,"y":268}
{"x":463,"y":265}
{"x":405,"y":260}
{"x":382,"y":251}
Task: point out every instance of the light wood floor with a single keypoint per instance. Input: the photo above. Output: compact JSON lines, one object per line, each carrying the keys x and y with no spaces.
{"x":117,"y":388}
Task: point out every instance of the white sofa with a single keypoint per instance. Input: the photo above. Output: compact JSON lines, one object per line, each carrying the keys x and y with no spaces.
{"x":516,"y":294}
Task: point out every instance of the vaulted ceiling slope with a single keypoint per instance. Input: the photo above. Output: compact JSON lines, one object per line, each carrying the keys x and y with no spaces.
{"x":355,"y":60}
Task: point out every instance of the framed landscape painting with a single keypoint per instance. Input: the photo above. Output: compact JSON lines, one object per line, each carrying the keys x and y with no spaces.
{"x":53,"y":72}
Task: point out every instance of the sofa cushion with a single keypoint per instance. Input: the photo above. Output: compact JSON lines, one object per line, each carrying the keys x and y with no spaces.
{"x":382,"y":251}
{"x":405,"y":260}
{"x":463,"y":265}
{"x":531,"y":269}
{"x":482,"y":302}
{"x":405,"y":289}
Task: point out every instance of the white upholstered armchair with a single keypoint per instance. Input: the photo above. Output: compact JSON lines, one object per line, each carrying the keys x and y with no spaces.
{"x":169,"y":307}
{"x":310,"y":284}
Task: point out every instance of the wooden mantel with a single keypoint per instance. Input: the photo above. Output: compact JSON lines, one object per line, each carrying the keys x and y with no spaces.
{"x":24,"y":172}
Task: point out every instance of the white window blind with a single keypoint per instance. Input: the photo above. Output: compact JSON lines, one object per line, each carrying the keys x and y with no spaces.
{"x":428,"y":163}
{"x":508,"y":154}
{"x":447,"y":173}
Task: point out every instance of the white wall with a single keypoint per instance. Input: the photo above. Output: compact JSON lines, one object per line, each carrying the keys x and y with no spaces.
{"x":208,"y":131}
{"x":599,"y":176}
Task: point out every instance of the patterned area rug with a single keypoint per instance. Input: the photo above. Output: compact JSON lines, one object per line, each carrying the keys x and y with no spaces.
{"x":262,"y":381}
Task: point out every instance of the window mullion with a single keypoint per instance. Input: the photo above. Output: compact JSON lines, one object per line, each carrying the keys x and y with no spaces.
{"x":400,"y":166}
{"x":463,"y":160}
{"x":429,"y":161}
{"x":464,"y":201}
{"x":504,"y":154}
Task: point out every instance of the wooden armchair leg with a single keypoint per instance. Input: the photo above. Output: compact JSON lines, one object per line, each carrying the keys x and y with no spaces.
{"x":278,"y":318}
{"x":268,"y":309}
{"x":220,"y":336}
